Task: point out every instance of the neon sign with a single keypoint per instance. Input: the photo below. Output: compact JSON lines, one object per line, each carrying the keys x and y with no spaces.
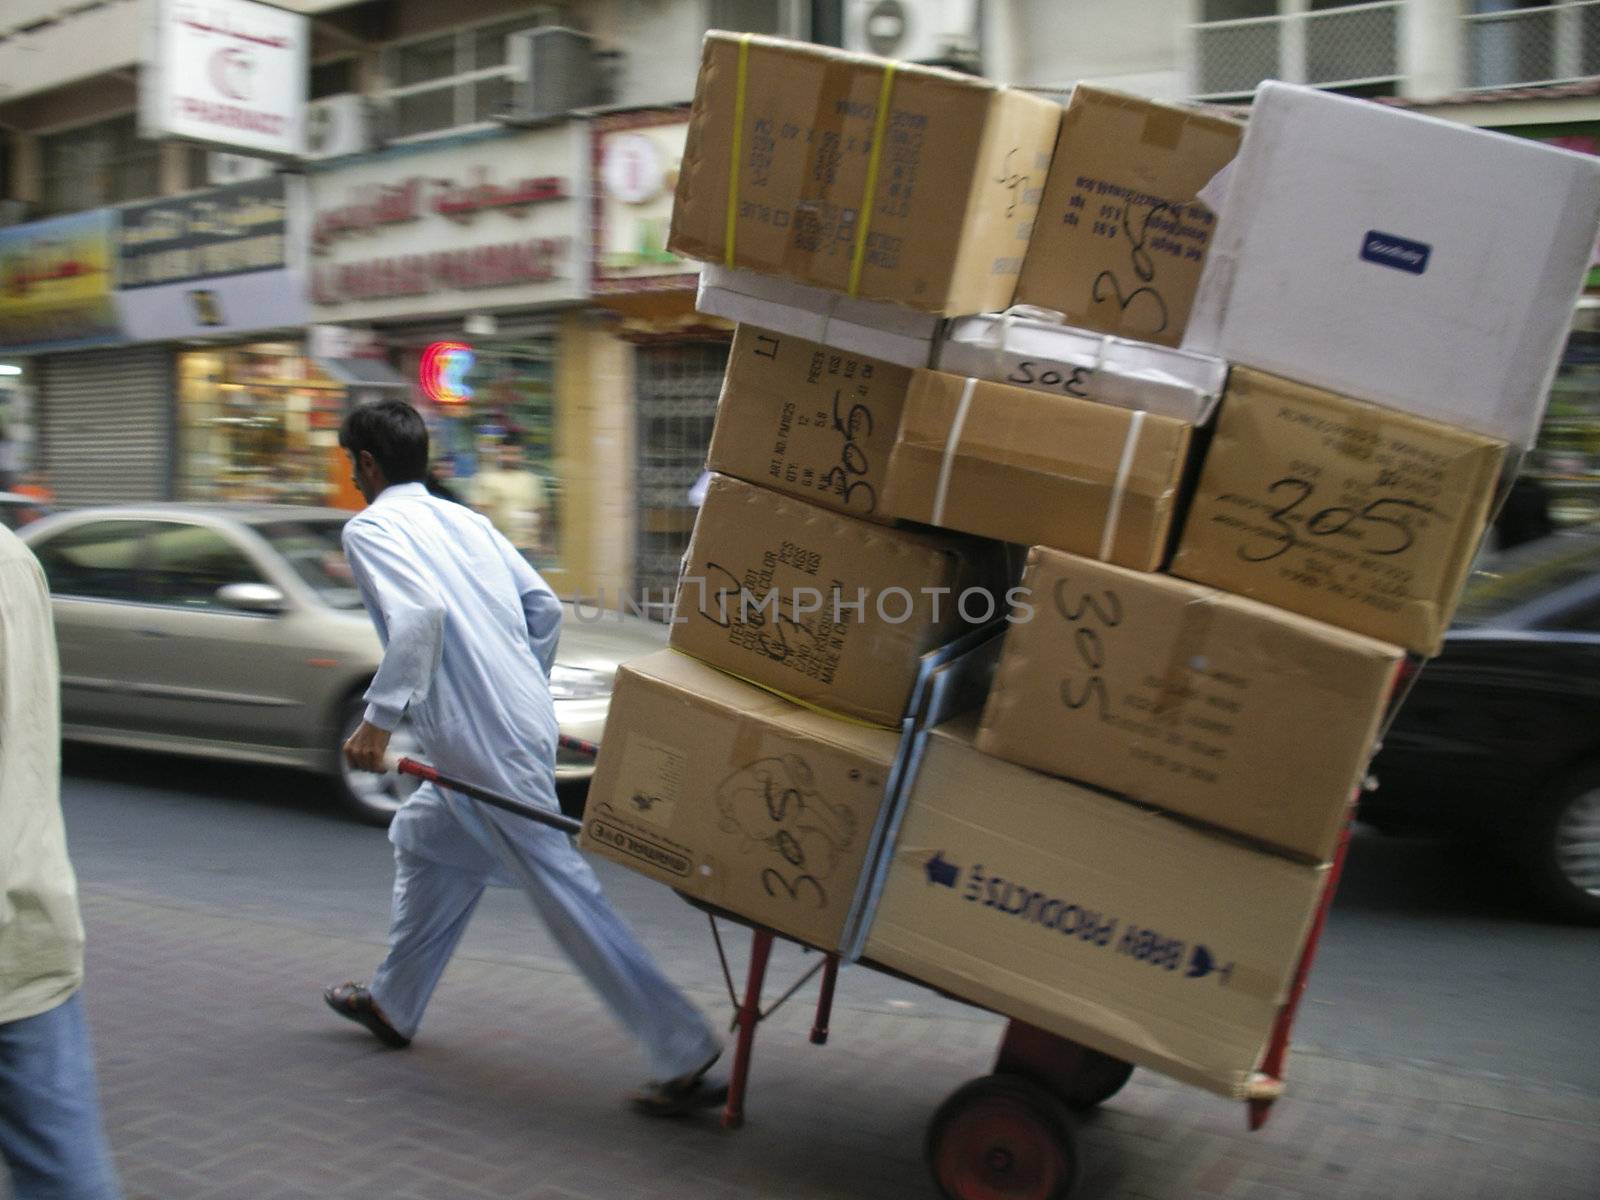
{"x":443,"y":371}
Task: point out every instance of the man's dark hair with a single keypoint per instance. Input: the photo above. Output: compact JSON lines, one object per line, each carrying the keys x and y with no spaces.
{"x":393,"y":433}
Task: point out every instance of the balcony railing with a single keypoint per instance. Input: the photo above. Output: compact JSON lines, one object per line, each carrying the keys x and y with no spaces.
{"x":1353,"y":46}
{"x":1552,"y":44}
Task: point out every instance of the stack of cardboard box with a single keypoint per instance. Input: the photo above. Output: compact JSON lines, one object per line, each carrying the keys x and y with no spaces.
{"x":1128,"y":843}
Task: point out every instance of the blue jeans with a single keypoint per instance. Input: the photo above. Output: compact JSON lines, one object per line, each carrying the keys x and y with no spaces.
{"x":50,"y":1133}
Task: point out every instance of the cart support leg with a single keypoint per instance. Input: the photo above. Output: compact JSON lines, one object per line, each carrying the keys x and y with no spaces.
{"x":830,"y":976}
{"x":745,"y":1021}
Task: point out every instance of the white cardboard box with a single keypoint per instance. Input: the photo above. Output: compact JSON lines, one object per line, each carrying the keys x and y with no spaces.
{"x":1398,"y":258}
{"x":1046,"y":356}
{"x":871,"y":327}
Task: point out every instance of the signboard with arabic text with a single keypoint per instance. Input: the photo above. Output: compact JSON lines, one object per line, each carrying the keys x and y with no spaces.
{"x":220,"y":261}
{"x":229,"y":231}
{"x":55,"y":283}
{"x":226,"y":72}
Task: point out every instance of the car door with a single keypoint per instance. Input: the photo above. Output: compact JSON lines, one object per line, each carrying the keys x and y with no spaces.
{"x":95,"y":572}
{"x":213,"y":671}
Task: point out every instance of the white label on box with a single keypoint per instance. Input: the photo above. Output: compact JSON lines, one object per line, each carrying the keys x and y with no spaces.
{"x":652,"y":774}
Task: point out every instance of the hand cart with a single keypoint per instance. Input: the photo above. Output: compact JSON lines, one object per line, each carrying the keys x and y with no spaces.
{"x":1007,"y":1134}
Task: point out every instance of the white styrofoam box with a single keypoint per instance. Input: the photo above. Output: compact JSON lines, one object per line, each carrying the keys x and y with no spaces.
{"x":871,"y":327}
{"x":1400,"y":259}
{"x":1038,"y":352}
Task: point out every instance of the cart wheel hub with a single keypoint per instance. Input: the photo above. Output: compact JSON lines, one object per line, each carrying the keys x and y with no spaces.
{"x":998,"y":1151}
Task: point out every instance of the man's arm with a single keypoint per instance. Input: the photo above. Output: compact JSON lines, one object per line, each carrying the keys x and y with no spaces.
{"x":394,"y":585}
{"x":541,"y":608}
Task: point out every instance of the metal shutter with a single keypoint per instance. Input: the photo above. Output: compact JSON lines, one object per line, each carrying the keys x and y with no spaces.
{"x":105,"y":424}
{"x":676,"y":390}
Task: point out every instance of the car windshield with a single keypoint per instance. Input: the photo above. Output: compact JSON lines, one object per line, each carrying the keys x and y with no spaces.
{"x":1506,"y":581}
{"x":312,"y":548}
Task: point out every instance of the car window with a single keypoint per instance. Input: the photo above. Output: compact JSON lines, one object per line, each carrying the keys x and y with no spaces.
{"x":1577,"y":618}
{"x":96,"y":561}
{"x":314,"y":550}
{"x":1506,"y":581}
{"x":188,"y":563}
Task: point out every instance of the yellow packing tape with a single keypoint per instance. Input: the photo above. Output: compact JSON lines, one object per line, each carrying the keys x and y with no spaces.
{"x":880,"y":124}
{"x":733,"y":152}
{"x":874,"y":158}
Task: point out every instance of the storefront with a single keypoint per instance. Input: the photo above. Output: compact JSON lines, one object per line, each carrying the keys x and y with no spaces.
{"x":215,"y":281}
{"x":675,"y":356}
{"x":469,"y":259}
{"x":99,"y":411}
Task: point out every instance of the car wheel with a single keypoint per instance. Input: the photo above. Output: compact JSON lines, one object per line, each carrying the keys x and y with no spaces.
{"x":1564,"y":846}
{"x":368,"y":797}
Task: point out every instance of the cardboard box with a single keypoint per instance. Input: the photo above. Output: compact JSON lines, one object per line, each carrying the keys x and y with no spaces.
{"x":1223,"y":709}
{"x":1356,"y":515}
{"x":1037,"y":469}
{"x":880,"y":180}
{"x":736,"y":797}
{"x":1414,"y":262}
{"x":826,"y":608}
{"x":1050,"y":357}
{"x":1095,"y":919}
{"x":884,"y":331}
{"x":1121,"y":238}
{"x":808,"y":420}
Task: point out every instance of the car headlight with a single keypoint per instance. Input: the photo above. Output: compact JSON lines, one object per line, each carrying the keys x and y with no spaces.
{"x":578,"y":683}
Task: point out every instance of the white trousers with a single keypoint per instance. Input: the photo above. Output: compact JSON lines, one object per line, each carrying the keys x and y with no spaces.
{"x":433,"y":902}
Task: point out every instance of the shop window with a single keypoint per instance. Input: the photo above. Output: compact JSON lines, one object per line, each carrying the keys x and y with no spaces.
{"x":454,"y":80}
{"x":188,"y":564}
{"x":259,"y":423}
{"x":93,"y":165}
{"x":494,"y":442}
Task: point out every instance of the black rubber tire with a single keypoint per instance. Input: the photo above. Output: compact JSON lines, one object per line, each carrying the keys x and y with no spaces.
{"x":1563,"y":838}
{"x":1099,"y":1078}
{"x":1002,"y":1135}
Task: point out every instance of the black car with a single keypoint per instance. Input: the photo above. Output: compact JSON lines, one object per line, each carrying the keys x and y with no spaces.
{"x":1501,"y":733}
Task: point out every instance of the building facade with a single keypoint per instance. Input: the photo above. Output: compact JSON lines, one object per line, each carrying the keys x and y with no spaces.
{"x":476,"y":221}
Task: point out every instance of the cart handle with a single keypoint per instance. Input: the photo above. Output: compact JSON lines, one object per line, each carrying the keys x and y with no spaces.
{"x":541,"y":816}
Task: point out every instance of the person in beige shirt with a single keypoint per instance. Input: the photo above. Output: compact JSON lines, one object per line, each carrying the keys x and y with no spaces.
{"x":511,"y":496}
{"x":50,"y":1130}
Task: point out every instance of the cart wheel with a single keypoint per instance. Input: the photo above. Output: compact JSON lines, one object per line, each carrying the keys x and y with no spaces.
{"x":1098,"y":1078}
{"x":1002,"y":1137}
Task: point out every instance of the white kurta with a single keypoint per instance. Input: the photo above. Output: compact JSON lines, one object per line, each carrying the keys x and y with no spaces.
{"x":469,"y":631}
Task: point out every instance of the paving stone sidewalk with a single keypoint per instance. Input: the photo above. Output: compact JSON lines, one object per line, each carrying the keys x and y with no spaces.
{"x":224,"y":1077}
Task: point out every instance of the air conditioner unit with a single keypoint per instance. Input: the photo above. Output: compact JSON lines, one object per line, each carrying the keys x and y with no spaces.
{"x":340,"y":125}
{"x":224,"y":168}
{"x":942,"y":30}
{"x":553,"y":71}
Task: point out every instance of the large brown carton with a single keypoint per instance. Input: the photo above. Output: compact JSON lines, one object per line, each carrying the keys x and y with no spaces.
{"x":1121,"y":239}
{"x":1095,"y":919}
{"x":826,"y":608}
{"x":1037,"y":469}
{"x":736,"y":797}
{"x":1226,"y":710}
{"x":809,"y":420}
{"x":1357,"y":515}
{"x":872,"y":178}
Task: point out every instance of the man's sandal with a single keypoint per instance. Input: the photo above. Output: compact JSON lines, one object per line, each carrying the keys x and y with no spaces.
{"x":353,"y":1002}
{"x":682,"y":1095}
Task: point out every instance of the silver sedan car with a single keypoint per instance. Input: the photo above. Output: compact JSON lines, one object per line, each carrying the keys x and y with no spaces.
{"x":236,"y":632}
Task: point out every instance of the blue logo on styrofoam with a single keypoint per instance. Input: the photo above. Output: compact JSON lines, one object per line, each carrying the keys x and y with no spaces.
{"x":1390,"y":250}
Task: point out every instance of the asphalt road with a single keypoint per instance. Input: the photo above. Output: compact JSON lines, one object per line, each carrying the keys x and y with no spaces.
{"x":1431,"y":959}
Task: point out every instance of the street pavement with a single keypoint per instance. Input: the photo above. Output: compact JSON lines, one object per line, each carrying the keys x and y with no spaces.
{"x":1448,"y":1048}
